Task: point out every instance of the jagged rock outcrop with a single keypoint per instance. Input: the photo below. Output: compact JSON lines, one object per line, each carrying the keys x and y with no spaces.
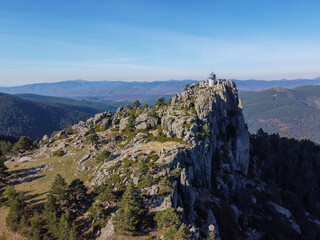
{"x":208,"y":122}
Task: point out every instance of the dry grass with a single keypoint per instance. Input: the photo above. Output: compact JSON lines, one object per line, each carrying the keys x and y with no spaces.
{"x":156,"y":236}
{"x":158,"y":146}
{"x":37,"y":184}
{"x":5,"y":234}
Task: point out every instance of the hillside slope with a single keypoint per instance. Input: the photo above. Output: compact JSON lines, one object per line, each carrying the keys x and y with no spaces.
{"x":88,"y":106}
{"x":20,"y":117}
{"x":183,"y":167}
{"x":290,"y":112}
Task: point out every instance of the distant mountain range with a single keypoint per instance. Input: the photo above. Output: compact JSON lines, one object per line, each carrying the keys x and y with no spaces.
{"x":105,"y":90}
{"x":290,"y":112}
{"x":258,"y":85}
{"x":131,"y":91}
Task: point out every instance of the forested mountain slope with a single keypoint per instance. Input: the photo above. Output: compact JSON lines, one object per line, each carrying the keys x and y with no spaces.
{"x":290,"y":112}
{"x":91,"y":106}
{"x":20,"y":117}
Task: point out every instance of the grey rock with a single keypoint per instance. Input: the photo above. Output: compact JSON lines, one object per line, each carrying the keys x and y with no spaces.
{"x":45,"y":138}
{"x":84,"y":158}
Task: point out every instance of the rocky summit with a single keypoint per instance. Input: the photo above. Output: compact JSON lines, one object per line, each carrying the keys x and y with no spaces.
{"x":190,"y":154}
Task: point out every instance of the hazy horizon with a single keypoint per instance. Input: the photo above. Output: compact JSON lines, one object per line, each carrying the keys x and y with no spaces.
{"x":252,"y":79}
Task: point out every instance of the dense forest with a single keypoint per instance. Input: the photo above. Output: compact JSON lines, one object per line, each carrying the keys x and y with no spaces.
{"x":289,"y":112}
{"x":20,"y":117}
{"x":290,"y":168}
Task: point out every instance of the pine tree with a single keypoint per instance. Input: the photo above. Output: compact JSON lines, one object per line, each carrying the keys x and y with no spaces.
{"x":129,"y":215}
{"x":59,"y":190}
{"x":77,"y":190}
{"x":36,"y":227}
{"x":17,"y":210}
{"x":63,"y":229}
{"x":50,"y":205}
{"x":23,"y":226}
{"x":167,"y":218}
{"x":105,"y":193}
{"x":3,"y":168}
{"x":53,"y":222}
{"x":136,"y":104}
{"x":24,"y":143}
{"x":160,"y":102}
{"x":131,"y":123}
{"x":73,"y":233}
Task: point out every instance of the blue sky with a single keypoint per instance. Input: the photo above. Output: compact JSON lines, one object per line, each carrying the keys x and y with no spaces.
{"x":147,"y":40}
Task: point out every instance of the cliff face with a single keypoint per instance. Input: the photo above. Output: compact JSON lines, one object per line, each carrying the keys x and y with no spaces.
{"x":219,"y":120}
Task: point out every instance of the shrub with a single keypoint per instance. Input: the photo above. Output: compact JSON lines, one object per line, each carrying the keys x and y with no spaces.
{"x":211,"y":236}
{"x":206,"y":129}
{"x":93,"y":138}
{"x":160,"y":102}
{"x":91,"y":131}
{"x":175,"y":173}
{"x":167,"y":218}
{"x":183,"y":233}
{"x":97,"y":128}
{"x":58,"y":153}
{"x":142,"y":166}
{"x":152,"y":113}
{"x":146,"y":180}
{"x":69,"y":130}
{"x":103,"y":156}
{"x":165,"y":185}
{"x":114,"y":179}
{"x":53,"y":134}
{"x":154,"y":157}
{"x":136,"y":104}
{"x":131,"y":124}
{"x":24,"y":143}
{"x":170,"y":233}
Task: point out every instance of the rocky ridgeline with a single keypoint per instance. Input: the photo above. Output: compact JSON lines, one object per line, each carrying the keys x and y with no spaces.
{"x":191,"y":154}
{"x":196,"y":126}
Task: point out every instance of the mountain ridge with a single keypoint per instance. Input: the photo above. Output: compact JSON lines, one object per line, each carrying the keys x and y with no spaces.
{"x":289,"y":112}
{"x":130,"y":91}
